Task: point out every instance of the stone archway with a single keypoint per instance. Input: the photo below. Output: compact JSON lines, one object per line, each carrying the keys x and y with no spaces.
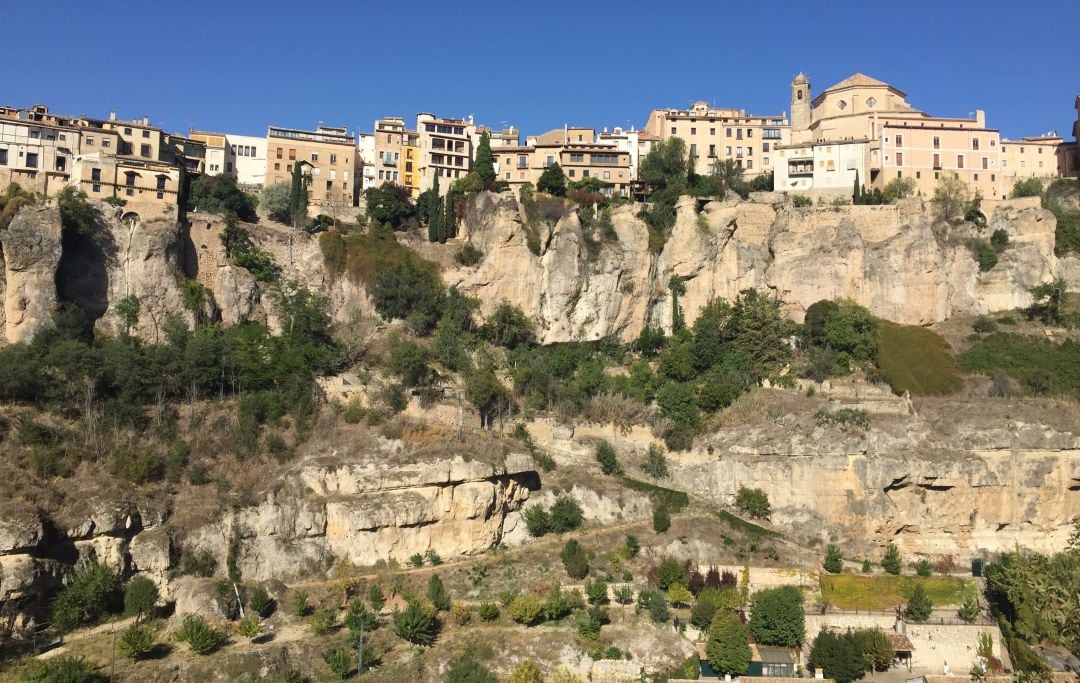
{"x":130,"y":219}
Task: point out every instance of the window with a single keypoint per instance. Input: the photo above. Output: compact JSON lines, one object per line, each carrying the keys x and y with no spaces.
{"x":228,"y":166}
{"x":314,"y":156}
{"x":146,"y":133}
{"x":61,"y":164}
{"x":693,"y":131}
{"x":130,"y":183}
{"x":918,"y":174}
{"x":95,"y":177}
{"x":749,"y":163}
{"x":993,"y":142}
{"x":976,"y":177}
{"x":985,"y":163}
{"x":144,"y":150}
{"x":727,"y":151}
{"x":974,"y":143}
{"x":693,"y":151}
{"x":937,"y":162}
{"x":749,"y":132}
{"x":577,"y":158}
{"x":738,"y":133}
{"x":712,"y":150}
{"x":585,"y":173}
{"x":161,"y":186}
{"x":3,"y":157}
{"x":673,"y":130}
{"x":127,"y":131}
{"x":993,"y":177}
{"x":333,"y":173}
{"x":959,"y":160}
{"x":333,"y":158}
{"x":277,"y":166}
{"x":899,"y":158}
{"x":871,"y":102}
{"x":89,"y":140}
{"x":105,"y":142}
{"x":729,"y":132}
{"x":937,"y":142}
{"x":571,"y":173}
{"x":523,"y":161}
{"x":549,"y":161}
{"x":771,"y":133}
{"x":614,"y":158}
{"x":842,"y":104}
{"x":31,"y":160}
{"x":607,"y":175}
{"x":765,"y":161}
{"x":292,"y":154}
{"x":35,"y":134}
{"x":899,"y":140}
{"x":712,"y":131}
{"x":279,"y":152}
{"x":764,"y":147}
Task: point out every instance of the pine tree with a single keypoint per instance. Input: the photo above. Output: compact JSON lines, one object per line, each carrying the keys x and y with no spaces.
{"x":484,"y":165}
{"x":298,"y":195}
{"x":552,"y":181}
{"x":856,"y":196}
{"x":436,"y":593}
{"x":919,"y":606}
{"x":891,"y":562}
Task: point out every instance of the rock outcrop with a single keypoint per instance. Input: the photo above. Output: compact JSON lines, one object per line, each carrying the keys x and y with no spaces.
{"x":893,"y":259}
{"x":29,"y":253}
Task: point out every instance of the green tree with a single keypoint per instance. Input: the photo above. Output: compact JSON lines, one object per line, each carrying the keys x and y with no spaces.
{"x":609,"y":461}
{"x":508,"y":326}
{"x":837,"y":656}
{"x":655,"y":464}
{"x":62,"y":669}
{"x":574,"y":560}
{"x":852,"y":329}
{"x":430,"y":209}
{"x":679,"y":595}
{"x":199,"y":636}
{"x":339,"y":661}
{"x":221,"y":195}
{"x":951,"y":197}
{"x":77,"y":216}
{"x":834,"y":559}
{"x":874,"y":645}
{"x":487,"y":393}
{"x":274,"y":201}
{"x":1031,"y":187}
{"x":677,"y":286}
{"x":1048,"y":301}
{"x":525,"y":609}
{"x":552,"y":181}
{"x":92,"y":592}
{"x":671,"y":572}
{"x":923,"y":567}
{"x":778,"y":617}
{"x":891,"y":562}
{"x":391,"y":205}
{"x":127,"y":309}
{"x":484,"y":163}
{"x":437,"y":594}
{"x":261,"y":603}
{"x":468,"y":670}
{"x":597,"y":592}
{"x":417,"y":623}
{"x":727,"y":649}
{"x":298,"y":195}
{"x":969,"y":611}
{"x":631,"y":546}
{"x":899,"y":188}
{"x":140,"y":596}
{"x":661,"y":518}
{"x":409,"y":292}
{"x":410,"y":362}
{"x":918,"y":607}
{"x":526,"y":672}
{"x":753,"y":502}
{"x":137,"y":642}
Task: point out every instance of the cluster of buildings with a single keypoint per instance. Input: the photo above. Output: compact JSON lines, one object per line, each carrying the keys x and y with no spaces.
{"x":860,"y":128}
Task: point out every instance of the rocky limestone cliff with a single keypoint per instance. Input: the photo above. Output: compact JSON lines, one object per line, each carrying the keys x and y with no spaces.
{"x":327,"y":508}
{"x":29,"y":255}
{"x":893,"y":259}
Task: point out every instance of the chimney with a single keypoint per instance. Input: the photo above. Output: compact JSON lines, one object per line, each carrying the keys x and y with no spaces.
{"x":819,"y":674}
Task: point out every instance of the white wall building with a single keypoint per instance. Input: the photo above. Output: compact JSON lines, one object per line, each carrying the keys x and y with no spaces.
{"x":246,"y":158}
{"x":365,"y":149}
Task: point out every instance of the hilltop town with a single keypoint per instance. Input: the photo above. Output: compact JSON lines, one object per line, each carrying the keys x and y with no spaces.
{"x":729,"y":396}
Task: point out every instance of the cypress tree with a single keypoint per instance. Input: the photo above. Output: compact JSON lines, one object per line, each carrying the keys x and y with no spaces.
{"x":856,"y":196}
{"x":484,"y":164}
{"x":727,"y":649}
{"x":449,"y":219}
{"x":298,"y":195}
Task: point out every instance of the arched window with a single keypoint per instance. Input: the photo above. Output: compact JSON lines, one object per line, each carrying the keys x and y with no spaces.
{"x":799,"y":94}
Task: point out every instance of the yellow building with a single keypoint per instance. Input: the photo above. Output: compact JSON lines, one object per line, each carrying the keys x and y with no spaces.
{"x":575,"y":150}
{"x":410,"y":163}
{"x":329,"y":159}
{"x":713,"y":135}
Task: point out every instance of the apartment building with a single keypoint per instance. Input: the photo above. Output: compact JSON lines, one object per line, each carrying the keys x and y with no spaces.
{"x":575,"y":150}
{"x":637,"y":143}
{"x":505,"y":137}
{"x":246,"y":159}
{"x":410,"y":163}
{"x":390,"y":134}
{"x":328,"y":156}
{"x":1034,"y":157}
{"x":446,"y":149}
{"x":713,"y":135}
{"x":365,"y":149}
{"x":36,"y":152}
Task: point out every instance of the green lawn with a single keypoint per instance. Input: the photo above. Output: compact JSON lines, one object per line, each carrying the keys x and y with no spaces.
{"x":855,"y":591}
{"x":918,"y":360}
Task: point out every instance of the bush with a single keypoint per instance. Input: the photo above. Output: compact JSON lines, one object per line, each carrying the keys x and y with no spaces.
{"x":339,"y":661}
{"x":91,"y":593}
{"x":985,"y":254}
{"x":137,"y":642}
{"x":221,"y":195}
{"x":631,"y":546}
{"x":437,"y":594}
{"x":566,"y":515}
{"x":410,"y":292}
{"x":250,"y":627}
{"x":609,"y":461}
{"x":655,"y":603}
{"x":834,"y":560}
{"x":274,"y":200}
{"x":468,"y":255}
{"x":526,"y":672}
{"x":801,"y":201}
{"x":844,"y":418}
{"x":923,"y":567}
{"x":838,"y":656}
{"x":917,"y":360}
{"x":390,"y":205}
{"x":597,"y":592}
{"x":655,"y":464}
{"x":984,"y":325}
{"x":322,"y":621}
{"x":574,"y":560}
{"x":727,"y":649}
{"x":753,"y":502}
{"x":199,"y":563}
{"x":891,"y":562}
{"x":537,"y":521}
{"x":140,"y":596}
{"x":1031,"y":187}
{"x":525,"y":609}
{"x":416,"y":623}
{"x":999,"y":240}
{"x":261,"y":603}
{"x":468,"y":670}
{"x":301,"y":606}
{"x":358,"y":619}
{"x":62,"y":669}
{"x":671,"y":572}
{"x":487,"y":611}
{"x":661,"y":518}
{"x":199,"y":636}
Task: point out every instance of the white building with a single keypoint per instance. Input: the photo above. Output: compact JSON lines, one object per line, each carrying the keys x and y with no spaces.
{"x":246,"y":158}
{"x":365,"y":150}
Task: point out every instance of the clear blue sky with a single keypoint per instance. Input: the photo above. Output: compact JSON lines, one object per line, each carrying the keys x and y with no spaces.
{"x":238,"y":65}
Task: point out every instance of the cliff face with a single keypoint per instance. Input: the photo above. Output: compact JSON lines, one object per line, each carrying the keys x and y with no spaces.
{"x":892,"y":259}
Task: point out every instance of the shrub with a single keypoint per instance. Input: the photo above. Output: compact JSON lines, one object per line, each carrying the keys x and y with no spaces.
{"x":969,"y":611}
{"x":92,"y":592}
{"x":834,"y":560}
{"x":609,"y":461}
{"x":250,"y":627}
{"x":137,"y":465}
{"x":437,"y":594}
{"x":891,"y":562}
{"x":800,"y":201}
{"x":844,"y":418}
{"x":986,"y":255}
{"x":468,"y":255}
{"x":727,"y":649}
{"x":221,"y":195}
{"x":62,"y":669}
{"x":753,"y":502}
{"x":468,"y":670}
{"x":631,"y":547}
{"x":679,"y":595}
{"x":670,"y":573}
{"x":199,"y":636}
{"x":984,"y":325}
{"x":137,"y":642}
{"x":574,"y":560}
{"x":525,"y":609}
{"x":199,"y":563}
{"x":537,"y":521}
{"x":526,"y":672}
{"x":923,"y":567}
{"x":416,"y":623}
{"x":322,"y":621}
{"x":999,"y":240}
{"x":661,"y":518}
{"x":1031,"y":187}
{"x":261,"y":603}
{"x":597,"y":592}
{"x":416,"y":560}
{"x":433,"y":558}
{"x":339,"y":661}
{"x":655,"y":464}
{"x":655,"y":603}
{"x":488,"y":611}
{"x":376,"y":598}
{"x":301,"y":606}
{"x":566,"y":515}
{"x":358,"y":619}
{"x":140,"y":595}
